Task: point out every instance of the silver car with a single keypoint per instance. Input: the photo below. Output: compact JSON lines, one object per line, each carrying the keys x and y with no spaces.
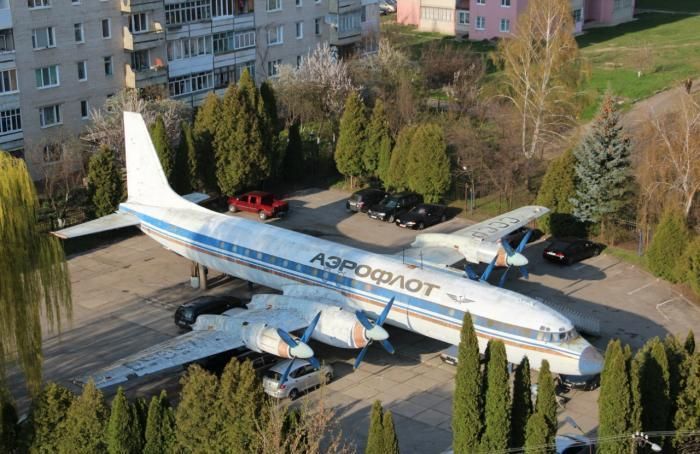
{"x":303,"y":376}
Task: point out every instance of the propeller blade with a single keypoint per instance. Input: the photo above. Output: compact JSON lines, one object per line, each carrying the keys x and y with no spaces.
{"x":310,"y":329}
{"x":523,"y":272}
{"x":362,"y":318}
{"x":506,"y":245}
{"x":385,"y":312}
{"x":387,"y":346}
{"x":502,"y":280}
{"x":524,"y":241}
{"x":471,"y":274}
{"x":286,"y":372}
{"x":489,"y":269}
{"x":361,"y":356}
{"x":314,"y":362}
{"x":287,"y":338}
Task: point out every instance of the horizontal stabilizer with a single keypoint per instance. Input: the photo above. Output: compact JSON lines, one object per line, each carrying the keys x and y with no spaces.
{"x":105,"y":223}
{"x":196,"y":197}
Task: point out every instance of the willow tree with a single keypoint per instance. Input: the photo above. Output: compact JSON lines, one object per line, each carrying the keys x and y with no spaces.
{"x":35,"y":279}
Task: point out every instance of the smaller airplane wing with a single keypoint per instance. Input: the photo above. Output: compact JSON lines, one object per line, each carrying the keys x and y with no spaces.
{"x":496,"y":228}
{"x":110,"y":222}
{"x":437,"y":257}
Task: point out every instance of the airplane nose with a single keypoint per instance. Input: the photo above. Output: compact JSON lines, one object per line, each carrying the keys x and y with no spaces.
{"x":377,"y":333}
{"x":517,"y":259}
{"x":591,"y":361}
{"x":301,"y":351}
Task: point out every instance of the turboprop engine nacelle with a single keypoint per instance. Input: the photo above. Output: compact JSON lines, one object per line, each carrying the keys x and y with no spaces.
{"x":340,"y":328}
{"x":263,"y":338}
{"x":475,"y":251}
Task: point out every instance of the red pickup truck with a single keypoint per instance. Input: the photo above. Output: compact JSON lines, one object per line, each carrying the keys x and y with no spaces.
{"x":259,"y":202}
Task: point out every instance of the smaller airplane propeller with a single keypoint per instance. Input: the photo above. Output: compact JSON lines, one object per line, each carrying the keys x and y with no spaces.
{"x":520,"y":261}
{"x":299,"y":349}
{"x":374,"y":331}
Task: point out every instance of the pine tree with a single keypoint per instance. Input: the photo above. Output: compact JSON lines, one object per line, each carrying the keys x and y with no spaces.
{"x":204,"y":132}
{"x":122,"y":435}
{"x":536,"y":435}
{"x":690,"y":271}
{"x":48,"y":411}
{"x":496,"y":400}
{"x":161,"y":143}
{"x":240,"y":402}
{"x":687,"y":416}
{"x":614,"y":401}
{"x":650,"y":387}
{"x":547,"y":398}
{"x":557,"y":189}
{"x":378,"y":144}
{"x":105,"y":184}
{"x":197,"y":425}
{"x":677,"y":357}
{"x":428,"y":165}
{"x":351,"y":139}
{"x":391,"y":441}
{"x":189,"y":167}
{"x":522,"y":404}
{"x":467,"y":403}
{"x":689,"y":343}
{"x":375,"y":437}
{"x":294,"y":163}
{"x":397,"y":177}
{"x":667,"y":245}
{"x":160,"y":426}
{"x":602,"y":167}
{"x":83,"y":431}
{"x":9,"y":430}
{"x":271,"y":122}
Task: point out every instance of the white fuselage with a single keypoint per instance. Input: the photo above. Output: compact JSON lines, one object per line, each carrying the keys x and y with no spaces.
{"x":427,"y":301}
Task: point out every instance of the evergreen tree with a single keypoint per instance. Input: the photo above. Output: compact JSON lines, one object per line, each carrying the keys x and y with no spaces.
{"x":352,"y":138}
{"x":294,"y":162}
{"x":204,"y":132}
{"x":397,"y":177}
{"x":375,"y":437}
{"x":467,"y":403}
{"x":139,"y":415}
{"x":536,"y":435}
{"x":688,"y":269}
{"x":122,"y":435}
{"x":428,"y":165}
{"x":160,"y":426}
{"x":496,"y":401}
{"x":546,"y":403}
{"x":240,"y":402}
{"x":391,"y":441}
{"x":9,"y":431}
{"x":667,"y":245}
{"x":614,"y":401}
{"x":197,"y":425}
{"x":272,"y":127}
{"x":602,"y":167}
{"x":650,"y":387}
{"x":83,"y":431}
{"x":378,"y":144}
{"x":522,"y":404}
{"x":557,"y":189}
{"x":189,"y":168}
{"x":49,"y":410}
{"x":677,"y":357}
{"x":161,"y":143}
{"x":105,"y":184}
{"x":689,"y":343}
{"x":687,"y":416}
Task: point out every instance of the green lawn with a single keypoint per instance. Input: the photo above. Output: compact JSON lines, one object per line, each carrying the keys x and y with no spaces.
{"x":670,"y":5}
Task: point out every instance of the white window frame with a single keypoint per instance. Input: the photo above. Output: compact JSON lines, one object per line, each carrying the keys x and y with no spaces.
{"x":8,"y":77}
{"x":463,"y":15}
{"x":504,"y":22}
{"x":38,"y":4}
{"x":133,"y":23}
{"x":56,"y":108}
{"x":273,"y":68}
{"x":84,"y":102}
{"x":299,"y":29}
{"x":480,"y":23}
{"x":12,"y":119}
{"x":278,"y":36}
{"x":109,"y":28}
{"x":105,"y":60}
{"x":50,"y":37}
{"x":480,"y":2}
{"x":44,"y":72}
{"x":85,"y":70}
{"x":48,"y":148}
{"x":505,"y":3}
{"x":276,"y":3}
{"x":76,"y":27}
{"x":577,"y":14}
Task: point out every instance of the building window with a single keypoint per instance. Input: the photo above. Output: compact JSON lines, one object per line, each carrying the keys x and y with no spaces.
{"x":78,"y":32}
{"x":273,"y":68}
{"x":230,"y":41}
{"x":187,"y":12}
{"x":222,"y":8}
{"x":53,"y":152}
{"x":300,"y":30}
{"x":140,"y":60}
{"x":363,"y":15}
{"x":138,"y":23}
{"x":300,"y":59}
{"x":50,"y":116}
{"x":82,"y":70}
{"x":299,"y":3}
{"x":225,"y":76}
{"x":434,"y":14}
{"x":617,"y":4}
{"x":38,"y":3}
{"x":274,"y":5}
{"x":275,"y":36}
{"x":47,"y":77}
{"x":10,"y":121}
{"x":8,"y":81}
{"x":505,"y":25}
{"x":505,"y":3}
{"x":463,"y":18}
{"x":75,"y":2}
{"x":480,"y":2}
{"x":43,"y":38}
{"x":480,"y":22}
{"x":250,"y":67}
{"x":191,"y":83}
{"x":84,"y":109}
{"x":7,"y":41}
{"x":577,"y":16}
{"x":317,"y":26}
{"x":106,"y":28}
{"x":109,"y":70}
{"x":189,"y":47}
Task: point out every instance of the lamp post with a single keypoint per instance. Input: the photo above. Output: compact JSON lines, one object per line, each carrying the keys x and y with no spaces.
{"x":642,"y":439}
{"x":468,"y":198}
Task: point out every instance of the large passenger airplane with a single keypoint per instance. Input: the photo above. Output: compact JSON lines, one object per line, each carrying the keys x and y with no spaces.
{"x":329,"y":290}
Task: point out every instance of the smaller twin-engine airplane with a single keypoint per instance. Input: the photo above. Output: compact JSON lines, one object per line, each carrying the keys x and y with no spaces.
{"x":336,"y":294}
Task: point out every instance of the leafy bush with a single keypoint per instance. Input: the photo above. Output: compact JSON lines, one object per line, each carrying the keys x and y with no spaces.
{"x":667,"y":246}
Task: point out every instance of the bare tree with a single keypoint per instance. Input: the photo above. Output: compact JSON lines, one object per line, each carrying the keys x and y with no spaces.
{"x":541,"y":72}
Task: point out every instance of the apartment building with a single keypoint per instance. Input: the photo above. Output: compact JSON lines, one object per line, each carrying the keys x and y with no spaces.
{"x":61,"y":58}
{"x":488,"y":19}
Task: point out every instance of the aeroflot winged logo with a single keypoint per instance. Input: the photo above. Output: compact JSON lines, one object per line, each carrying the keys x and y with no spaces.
{"x":378,"y":275}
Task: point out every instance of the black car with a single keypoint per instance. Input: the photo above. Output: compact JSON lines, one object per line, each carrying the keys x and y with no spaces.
{"x":421,"y":216}
{"x":394,"y":206}
{"x":582,"y":382}
{"x":363,"y":199}
{"x":570,"y":250}
{"x":516,"y":236}
{"x":187,"y":314}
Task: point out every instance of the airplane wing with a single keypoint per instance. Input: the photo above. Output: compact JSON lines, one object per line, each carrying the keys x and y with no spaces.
{"x":496,"y":228}
{"x":110,"y":222}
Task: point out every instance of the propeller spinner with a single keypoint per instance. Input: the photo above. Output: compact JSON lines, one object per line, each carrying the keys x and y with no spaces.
{"x":299,"y":348}
{"x":374,"y":332}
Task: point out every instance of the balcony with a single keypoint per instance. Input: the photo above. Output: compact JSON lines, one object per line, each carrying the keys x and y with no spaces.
{"x":155,"y":75}
{"x":336,"y":6}
{"x":144,"y":40}
{"x":139,"y":6}
{"x":345,"y":37}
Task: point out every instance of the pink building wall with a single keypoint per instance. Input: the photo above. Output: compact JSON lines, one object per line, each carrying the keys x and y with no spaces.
{"x":493,"y":12}
{"x":408,"y":12}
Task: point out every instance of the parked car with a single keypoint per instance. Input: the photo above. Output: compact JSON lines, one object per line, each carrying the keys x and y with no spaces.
{"x":261,"y":362}
{"x":394,"y":206}
{"x":516,"y":236}
{"x":570,"y":250}
{"x":263,"y":203}
{"x":187,"y":313}
{"x":363,"y":199}
{"x":386,"y":8}
{"x":422,"y":215}
{"x":301,"y":378}
{"x":582,"y":382}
